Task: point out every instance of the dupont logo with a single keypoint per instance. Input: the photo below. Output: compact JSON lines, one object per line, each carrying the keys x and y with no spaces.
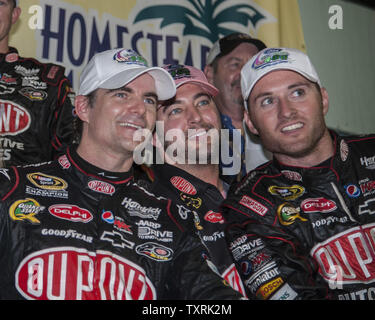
{"x":183,"y":185}
{"x":14,"y":118}
{"x":70,"y":212}
{"x":253,"y":205}
{"x":101,"y":187}
{"x":347,"y":257}
{"x":64,"y":162}
{"x":68,"y":273}
{"x":318,"y":205}
{"x":213,"y":217}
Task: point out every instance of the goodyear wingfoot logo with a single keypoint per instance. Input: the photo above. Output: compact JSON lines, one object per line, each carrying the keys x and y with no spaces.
{"x":25,"y":210}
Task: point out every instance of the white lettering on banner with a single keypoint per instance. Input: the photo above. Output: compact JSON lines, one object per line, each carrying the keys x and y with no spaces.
{"x":68,"y":273}
{"x":71,"y":35}
{"x":348,"y":257}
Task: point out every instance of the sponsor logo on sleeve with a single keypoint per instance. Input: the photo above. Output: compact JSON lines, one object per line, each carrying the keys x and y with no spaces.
{"x":253,"y":205}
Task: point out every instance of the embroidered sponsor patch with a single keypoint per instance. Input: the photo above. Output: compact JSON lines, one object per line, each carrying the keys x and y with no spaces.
{"x":154,"y":251}
{"x":253,"y":205}
{"x":45,"y":181}
{"x":101,"y":187}
{"x":287,"y":193}
{"x":66,"y":273}
{"x":15,"y":118}
{"x":318,"y":205}
{"x":183,"y":185}
{"x":25,"y":210}
{"x":70,"y":212}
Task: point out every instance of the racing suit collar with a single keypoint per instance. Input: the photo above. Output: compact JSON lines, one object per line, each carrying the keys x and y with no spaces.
{"x":167,"y":172}
{"x":90,"y":170}
{"x":335,"y":165}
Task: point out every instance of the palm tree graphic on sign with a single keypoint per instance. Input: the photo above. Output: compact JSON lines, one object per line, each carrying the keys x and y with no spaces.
{"x":208,"y":14}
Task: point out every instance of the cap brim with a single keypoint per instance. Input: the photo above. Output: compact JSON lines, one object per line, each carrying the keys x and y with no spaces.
{"x":284,"y":67}
{"x":164,"y":84}
{"x":213,"y":91}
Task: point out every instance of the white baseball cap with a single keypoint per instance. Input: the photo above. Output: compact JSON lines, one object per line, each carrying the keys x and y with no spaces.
{"x":272,"y":59}
{"x":115,"y":68}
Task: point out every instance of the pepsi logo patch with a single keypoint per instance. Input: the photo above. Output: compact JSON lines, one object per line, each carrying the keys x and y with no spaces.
{"x":352,"y":190}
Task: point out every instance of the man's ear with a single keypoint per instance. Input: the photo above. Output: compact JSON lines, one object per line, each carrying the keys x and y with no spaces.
{"x":249,"y":123}
{"x":82,"y":107}
{"x":209,"y":72}
{"x":325,"y":100}
{"x":16,"y":14}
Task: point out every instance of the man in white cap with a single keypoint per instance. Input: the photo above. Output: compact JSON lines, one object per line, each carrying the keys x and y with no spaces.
{"x":309,"y":214}
{"x":36,"y":102}
{"x":80,"y":227}
{"x":224,"y":63}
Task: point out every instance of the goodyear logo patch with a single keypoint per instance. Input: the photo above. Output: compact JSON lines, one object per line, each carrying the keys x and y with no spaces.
{"x":45,"y":181}
{"x":25,"y":210}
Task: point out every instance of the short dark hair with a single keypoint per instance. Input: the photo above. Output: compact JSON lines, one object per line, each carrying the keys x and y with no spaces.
{"x":78,"y":123}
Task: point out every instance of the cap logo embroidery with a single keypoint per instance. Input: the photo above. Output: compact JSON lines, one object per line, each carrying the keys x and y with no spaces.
{"x":178,"y":71}
{"x":130,"y":57}
{"x":270,"y":57}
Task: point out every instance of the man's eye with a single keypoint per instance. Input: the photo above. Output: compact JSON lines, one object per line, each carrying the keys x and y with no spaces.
{"x":175,"y":111}
{"x":266,"y":101}
{"x":298,"y":93}
{"x":203,"y":103}
{"x":234,"y":65}
{"x":151,"y":101}
{"x":120,"y":94}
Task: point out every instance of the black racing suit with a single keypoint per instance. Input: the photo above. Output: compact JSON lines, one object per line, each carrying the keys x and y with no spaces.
{"x":69,"y":230}
{"x":199,"y":202}
{"x":297,"y":232}
{"x":36,"y":110}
